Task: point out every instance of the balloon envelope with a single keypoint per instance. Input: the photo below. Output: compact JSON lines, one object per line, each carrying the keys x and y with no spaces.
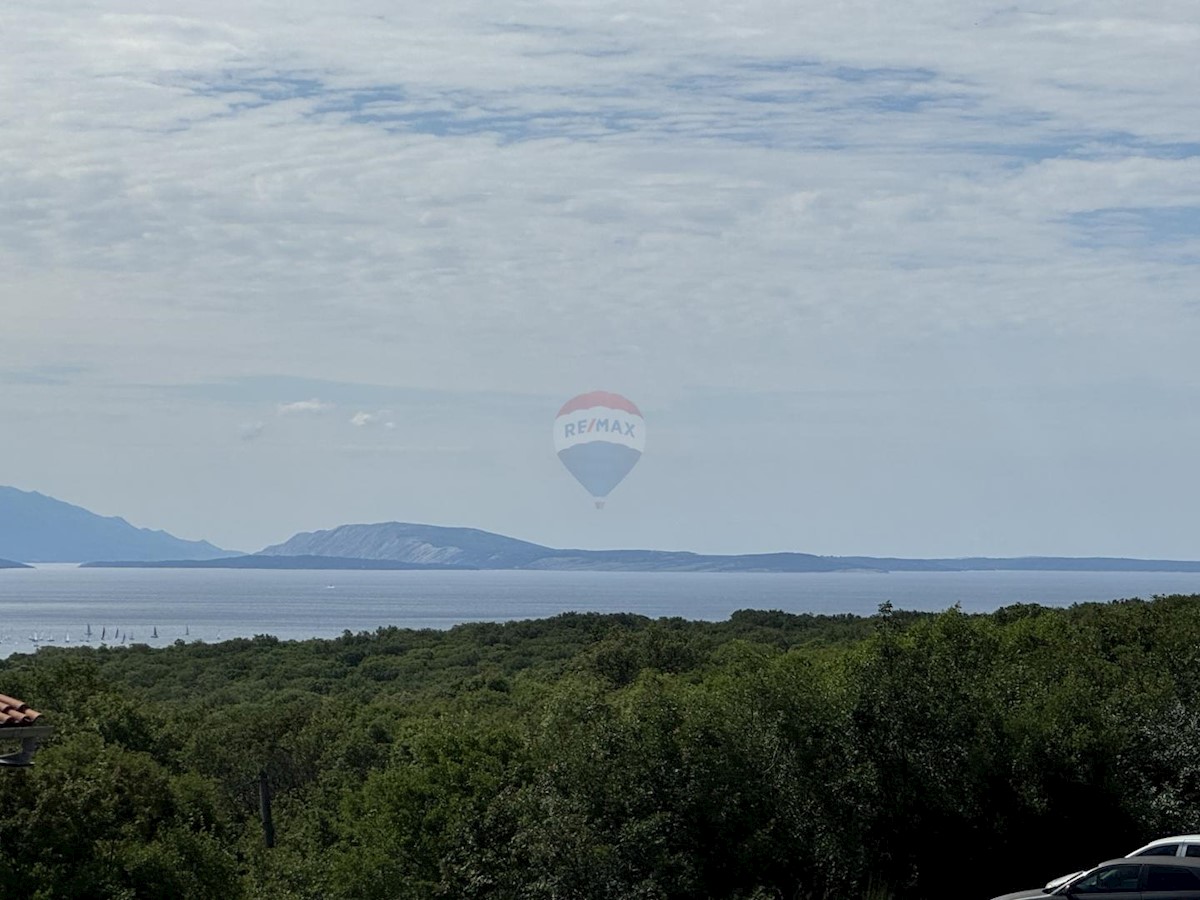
{"x":599,"y":437}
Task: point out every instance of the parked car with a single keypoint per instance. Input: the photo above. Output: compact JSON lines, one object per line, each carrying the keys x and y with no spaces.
{"x":1180,"y":845}
{"x":1146,"y":878}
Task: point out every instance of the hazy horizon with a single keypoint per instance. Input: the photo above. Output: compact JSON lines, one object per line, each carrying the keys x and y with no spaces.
{"x":914,"y":281}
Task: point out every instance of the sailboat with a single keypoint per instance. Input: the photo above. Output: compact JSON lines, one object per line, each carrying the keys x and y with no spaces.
{"x":155,"y":635}
{"x":88,"y":634}
{"x":186,"y":630}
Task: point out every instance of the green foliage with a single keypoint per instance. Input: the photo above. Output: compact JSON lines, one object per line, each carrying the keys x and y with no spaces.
{"x":590,"y":756}
{"x":96,"y":820}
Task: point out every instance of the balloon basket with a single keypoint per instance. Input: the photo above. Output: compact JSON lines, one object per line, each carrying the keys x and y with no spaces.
{"x":599,"y":504}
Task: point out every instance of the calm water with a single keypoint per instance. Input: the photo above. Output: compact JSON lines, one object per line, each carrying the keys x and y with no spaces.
{"x":60,"y":602}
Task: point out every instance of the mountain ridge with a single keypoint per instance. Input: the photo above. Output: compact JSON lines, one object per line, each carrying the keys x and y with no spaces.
{"x":37,"y":528}
{"x":474,"y":548}
{"x":256,"y":561}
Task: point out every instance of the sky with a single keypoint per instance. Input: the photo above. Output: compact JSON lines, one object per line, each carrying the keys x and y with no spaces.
{"x":910,"y":279}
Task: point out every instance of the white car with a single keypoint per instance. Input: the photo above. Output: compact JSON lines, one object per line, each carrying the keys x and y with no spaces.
{"x":1180,"y":845}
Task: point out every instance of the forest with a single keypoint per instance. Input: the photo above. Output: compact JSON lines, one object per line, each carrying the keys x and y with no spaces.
{"x":613,"y":756}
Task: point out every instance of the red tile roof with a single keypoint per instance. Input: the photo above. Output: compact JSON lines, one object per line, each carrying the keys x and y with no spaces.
{"x":15,"y":714}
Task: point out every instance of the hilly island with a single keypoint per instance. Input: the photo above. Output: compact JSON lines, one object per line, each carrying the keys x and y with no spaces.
{"x":428,"y":544}
{"x":403,"y":545}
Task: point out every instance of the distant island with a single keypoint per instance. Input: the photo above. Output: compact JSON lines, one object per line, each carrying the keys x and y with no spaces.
{"x":476,"y":549}
{"x":255,"y":561}
{"x":36,"y":528}
{"x":9,"y":564}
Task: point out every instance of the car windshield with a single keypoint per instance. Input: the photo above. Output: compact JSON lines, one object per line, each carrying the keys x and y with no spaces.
{"x":1160,"y":850}
{"x":1108,"y":878}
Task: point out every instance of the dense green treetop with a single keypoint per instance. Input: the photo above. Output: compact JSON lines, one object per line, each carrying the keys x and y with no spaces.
{"x":612,"y":756}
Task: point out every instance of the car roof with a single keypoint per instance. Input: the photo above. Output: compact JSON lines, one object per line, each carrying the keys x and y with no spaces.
{"x":1167,"y":841}
{"x":1190,"y":862}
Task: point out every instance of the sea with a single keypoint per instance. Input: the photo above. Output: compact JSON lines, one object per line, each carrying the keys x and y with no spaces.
{"x":57,"y":605}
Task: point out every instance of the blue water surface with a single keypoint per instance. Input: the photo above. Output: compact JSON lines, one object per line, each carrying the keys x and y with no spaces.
{"x":58,"y":603}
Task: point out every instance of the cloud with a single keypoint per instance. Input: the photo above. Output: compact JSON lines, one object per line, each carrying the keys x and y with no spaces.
{"x":777,"y":177}
{"x":382,"y":417}
{"x":303,"y":407}
{"x":251,"y":431}
{"x":441,"y":211}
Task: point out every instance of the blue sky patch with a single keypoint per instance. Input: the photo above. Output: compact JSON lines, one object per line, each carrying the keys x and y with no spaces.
{"x":266,"y":88}
{"x":1138,"y":227}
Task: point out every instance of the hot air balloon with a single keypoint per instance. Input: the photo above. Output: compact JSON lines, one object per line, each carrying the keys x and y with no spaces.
{"x":599,"y":437}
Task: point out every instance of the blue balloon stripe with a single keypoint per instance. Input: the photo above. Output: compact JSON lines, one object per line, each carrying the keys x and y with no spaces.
{"x":599,"y":465}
